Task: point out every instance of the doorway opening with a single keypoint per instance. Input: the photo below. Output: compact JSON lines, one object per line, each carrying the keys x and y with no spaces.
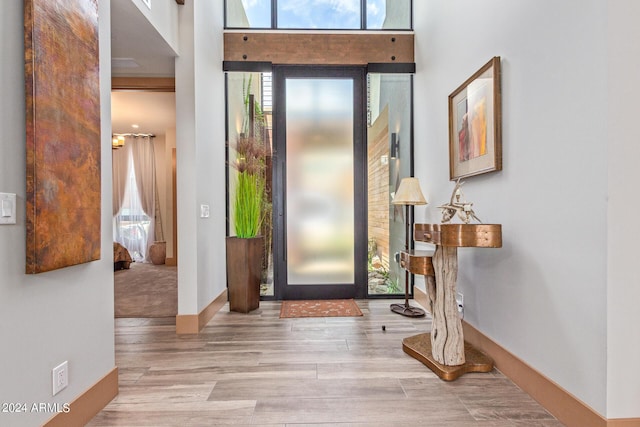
{"x":147,"y":289}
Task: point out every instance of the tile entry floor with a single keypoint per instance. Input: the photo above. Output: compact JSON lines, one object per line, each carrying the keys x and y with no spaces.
{"x":257,"y":369}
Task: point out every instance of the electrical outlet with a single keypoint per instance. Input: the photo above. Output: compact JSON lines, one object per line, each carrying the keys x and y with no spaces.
{"x":460,"y":302}
{"x":60,"y":377}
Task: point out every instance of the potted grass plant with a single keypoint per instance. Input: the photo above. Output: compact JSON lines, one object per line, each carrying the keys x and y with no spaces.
{"x":245,"y":250}
{"x":250,"y":184}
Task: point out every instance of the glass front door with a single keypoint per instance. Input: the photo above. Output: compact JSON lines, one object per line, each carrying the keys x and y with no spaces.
{"x":319,"y":183}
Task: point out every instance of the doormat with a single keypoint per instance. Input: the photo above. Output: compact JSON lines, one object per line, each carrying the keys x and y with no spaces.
{"x":320,"y":308}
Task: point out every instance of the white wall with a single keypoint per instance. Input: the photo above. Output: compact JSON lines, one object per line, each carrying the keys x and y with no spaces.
{"x":623,"y":276}
{"x":200,"y":156}
{"x":187,"y":204}
{"x":60,"y":315}
{"x":210,"y":141}
{"x":236,"y":14}
{"x":543,"y":296}
{"x":163,"y":15}
{"x":170,"y":145}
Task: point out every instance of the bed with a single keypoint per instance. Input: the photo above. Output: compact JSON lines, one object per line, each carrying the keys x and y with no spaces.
{"x":121,"y":257}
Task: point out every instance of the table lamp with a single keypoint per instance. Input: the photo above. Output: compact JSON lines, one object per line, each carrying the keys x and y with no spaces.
{"x":408,"y":194}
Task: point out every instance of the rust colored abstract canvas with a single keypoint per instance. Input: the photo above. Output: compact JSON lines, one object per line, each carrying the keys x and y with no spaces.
{"x":62,"y":133}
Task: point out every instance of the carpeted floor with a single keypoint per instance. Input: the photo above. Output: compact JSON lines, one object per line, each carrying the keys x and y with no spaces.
{"x":320,"y":308}
{"x":146,"y":290}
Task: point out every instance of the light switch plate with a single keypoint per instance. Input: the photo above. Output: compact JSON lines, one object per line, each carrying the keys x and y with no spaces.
{"x":7,"y":208}
{"x":204,"y":211}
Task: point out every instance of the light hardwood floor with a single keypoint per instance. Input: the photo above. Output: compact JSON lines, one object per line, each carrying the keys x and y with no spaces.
{"x":258,"y":369}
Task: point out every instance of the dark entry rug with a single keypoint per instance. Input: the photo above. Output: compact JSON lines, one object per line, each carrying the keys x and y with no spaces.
{"x":320,"y":308}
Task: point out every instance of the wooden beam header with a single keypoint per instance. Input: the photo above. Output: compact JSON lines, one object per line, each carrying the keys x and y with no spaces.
{"x":319,"y":48}
{"x":147,"y":84}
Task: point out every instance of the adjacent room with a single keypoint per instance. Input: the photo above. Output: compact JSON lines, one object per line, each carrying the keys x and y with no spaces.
{"x":143,"y":159}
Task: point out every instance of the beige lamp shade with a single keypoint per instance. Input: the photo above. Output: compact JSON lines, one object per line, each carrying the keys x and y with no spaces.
{"x":409,"y":193}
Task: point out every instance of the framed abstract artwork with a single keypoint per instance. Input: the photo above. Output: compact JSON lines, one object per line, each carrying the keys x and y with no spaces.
{"x":475,"y":121}
{"x":62,"y":88}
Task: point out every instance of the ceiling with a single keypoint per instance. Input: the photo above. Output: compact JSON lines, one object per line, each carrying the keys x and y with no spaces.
{"x":153,"y":112}
{"x":138,"y":50}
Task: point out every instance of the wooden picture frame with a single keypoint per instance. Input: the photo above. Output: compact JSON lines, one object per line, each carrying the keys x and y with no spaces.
{"x":475,"y":121}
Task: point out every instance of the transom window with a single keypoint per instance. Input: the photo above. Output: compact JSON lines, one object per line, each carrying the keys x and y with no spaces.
{"x":319,"y":14}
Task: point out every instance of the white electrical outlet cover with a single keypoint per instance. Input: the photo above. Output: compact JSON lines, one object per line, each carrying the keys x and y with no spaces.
{"x":60,"y":377}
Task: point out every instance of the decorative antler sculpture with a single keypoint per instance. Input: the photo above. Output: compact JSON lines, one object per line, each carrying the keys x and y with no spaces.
{"x":464,"y":210}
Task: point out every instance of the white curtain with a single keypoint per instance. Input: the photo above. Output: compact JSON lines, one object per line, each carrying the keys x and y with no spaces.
{"x":144,"y":161}
{"x":134,"y":220}
{"x":120,"y":169}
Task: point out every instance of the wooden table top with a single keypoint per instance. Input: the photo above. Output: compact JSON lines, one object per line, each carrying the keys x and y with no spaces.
{"x":460,"y":235}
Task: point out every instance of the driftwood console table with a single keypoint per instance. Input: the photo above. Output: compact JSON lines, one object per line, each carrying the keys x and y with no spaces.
{"x":444,"y":350}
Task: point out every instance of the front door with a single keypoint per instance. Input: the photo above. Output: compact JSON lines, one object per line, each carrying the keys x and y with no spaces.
{"x":319,"y":186}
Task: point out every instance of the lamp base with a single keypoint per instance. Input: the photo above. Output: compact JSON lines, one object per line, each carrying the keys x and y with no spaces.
{"x":407,"y":310}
